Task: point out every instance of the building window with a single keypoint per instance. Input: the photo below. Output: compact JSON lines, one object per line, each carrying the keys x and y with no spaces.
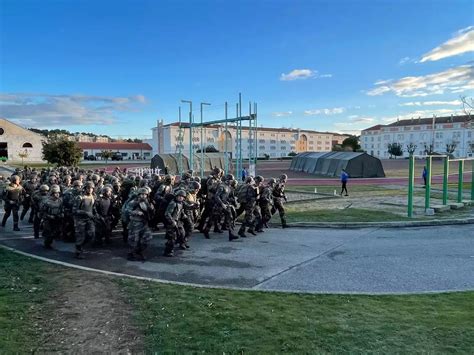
{"x":272,"y":147}
{"x":261,"y":141}
{"x":283,"y":142}
{"x":262,"y":147}
{"x":283,"y":148}
{"x":27,"y":145}
{"x":273,"y":141}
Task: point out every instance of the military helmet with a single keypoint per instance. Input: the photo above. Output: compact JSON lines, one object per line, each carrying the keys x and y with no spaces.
{"x":44,"y":188}
{"x":216,"y":171}
{"x":272,"y":181}
{"x":194,"y":185}
{"x":229,"y":177}
{"x":283,"y":177}
{"x":15,"y":178}
{"x":249,"y":180}
{"x":186,"y":176}
{"x":197,"y":179}
{"x":168,"y":178}
{"x":142,"y":190}
{"x":106,"y":189}
{"x":90,"y":184}
{"x":77,"y":183}
{"x":259,"y":179}
{"x":55,"y":188}
{"x":181,"y":193}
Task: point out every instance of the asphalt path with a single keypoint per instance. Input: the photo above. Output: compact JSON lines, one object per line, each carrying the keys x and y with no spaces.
{"x":370,"y":260}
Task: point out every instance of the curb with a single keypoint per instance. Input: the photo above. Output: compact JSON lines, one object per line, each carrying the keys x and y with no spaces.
{"x":396,"y":224}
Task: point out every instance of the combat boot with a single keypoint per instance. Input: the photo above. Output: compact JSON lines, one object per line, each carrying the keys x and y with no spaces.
{"x":15,"y":227}
{"x":242,"y":232}
{"x":251,"y":231}
{"x":206,"y":234}
{"x":232,"y":236}
{"x":4,"y":221}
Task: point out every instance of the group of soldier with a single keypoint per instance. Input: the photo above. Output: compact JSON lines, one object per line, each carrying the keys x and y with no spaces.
{"x":82,"y":206}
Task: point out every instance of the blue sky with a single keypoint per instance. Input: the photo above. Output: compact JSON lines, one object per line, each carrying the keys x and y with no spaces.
{"x":115,"y":67}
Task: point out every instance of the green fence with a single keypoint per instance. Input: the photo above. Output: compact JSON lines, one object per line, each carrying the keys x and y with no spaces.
{"x":446,"y":161}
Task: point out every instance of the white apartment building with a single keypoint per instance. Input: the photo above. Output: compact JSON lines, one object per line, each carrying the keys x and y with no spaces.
{"x":438,"y":131}
{"x":276,"y":142}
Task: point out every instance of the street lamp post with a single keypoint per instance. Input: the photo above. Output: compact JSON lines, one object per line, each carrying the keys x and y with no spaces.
{"x":191,"y":165}
{"x":202,"y":149}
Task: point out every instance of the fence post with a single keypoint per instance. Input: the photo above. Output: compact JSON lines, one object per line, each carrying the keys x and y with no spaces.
{"x":445,"y":180}
{"x":411,"y":182}
{"x":472,"y":180}
{"x":428,"y":182}
{"x":460,"y":179}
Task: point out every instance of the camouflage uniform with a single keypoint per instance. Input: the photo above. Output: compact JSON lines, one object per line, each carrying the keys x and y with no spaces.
{"x":39,"y":196}
{"x":212,"y":183}
{"x":139,"y":235}
{"x":52,"y":213}
{"x":278,"y":197}
{"x":83,"y":213}
{"x":266,"y":202}
{"x":103,"y":212}
{"x":69,"y":197}
{"x":29,"y":187}
{"x":247,"y":199}
{"x":223,"y":207}
{"x":174,"y":217}
{"x":13,"y":196}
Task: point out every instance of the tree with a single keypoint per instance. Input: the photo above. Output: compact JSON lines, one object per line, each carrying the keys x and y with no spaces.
{"x":352,"y":142}
{"x":411,"y":148}
{"x":395,"y":149}
{"x":62,"y":152}
{"x":24,"y":154}
{"x":337,"y":148}
{"x":451,"y":147}
{"x":292,"y":154}
{"x":467,"y":105}
{"x":106,"y":154}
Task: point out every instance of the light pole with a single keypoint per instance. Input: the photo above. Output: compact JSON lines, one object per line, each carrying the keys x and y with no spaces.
{"x":202,"y":149}
{"x":191,"y":165}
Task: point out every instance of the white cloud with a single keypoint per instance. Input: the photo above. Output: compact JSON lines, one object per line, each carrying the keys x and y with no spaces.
{"x":363,"y":120}
{"x":404,"y":60}
{"x":298,"y":74}
{"x":45,"y":110}
{"x":463,"y":42}
{"x":353,"y":116}
{"x":301,"y":74}
{"x":452,"y":80}
{"x":282,"y":114}
{"x":325,"y":111}
{"x":382,"y":82}
{"x":432,"y":103}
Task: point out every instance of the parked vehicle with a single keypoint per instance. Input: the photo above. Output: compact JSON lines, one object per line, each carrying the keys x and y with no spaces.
{"x":117,"y":156}
{"x":90,"y":157}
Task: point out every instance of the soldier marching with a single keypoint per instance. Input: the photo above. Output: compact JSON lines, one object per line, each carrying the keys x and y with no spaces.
{"x":84,"y":206}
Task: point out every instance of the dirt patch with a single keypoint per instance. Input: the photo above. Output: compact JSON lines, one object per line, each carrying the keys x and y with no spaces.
{"x":89,"y":315}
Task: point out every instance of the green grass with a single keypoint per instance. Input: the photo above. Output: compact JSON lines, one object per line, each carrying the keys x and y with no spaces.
{"x":219,"y":321}
{"x":24,"y":291}
{"x":375,"y":190}
{"x":304,"y":214}
{"x":186,"y":319}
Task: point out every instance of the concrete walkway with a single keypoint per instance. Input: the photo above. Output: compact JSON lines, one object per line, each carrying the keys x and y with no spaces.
{"x":370,"y":260}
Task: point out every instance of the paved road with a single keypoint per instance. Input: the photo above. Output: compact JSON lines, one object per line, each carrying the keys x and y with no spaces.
{"x":368,"y":260}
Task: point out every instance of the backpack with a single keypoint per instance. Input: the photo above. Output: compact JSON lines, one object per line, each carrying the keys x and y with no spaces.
{"x":241,"y":193}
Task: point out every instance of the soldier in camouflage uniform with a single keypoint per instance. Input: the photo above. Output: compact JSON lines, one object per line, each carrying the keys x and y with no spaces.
{"x":212,"y":183}
{"x":140,"y":211}
{"x":247,"y":198}
{"x":192,"y":209}
{"x":13,"y":196}
{"x":3,"y":186}
{"x":278,"y":197}
{"x":174,"y":217}
{"x":224,"y":207}
{"x":83,"y":213}
{"x":103,"y":212}
{"x":257,"y":211}
{"x":266,"y":202}
{"x":29,"y":186}
{"x":165,"y":189}
{"x":39,"y":196}
{"x":52,"y":214}
{"x":68,"y":202}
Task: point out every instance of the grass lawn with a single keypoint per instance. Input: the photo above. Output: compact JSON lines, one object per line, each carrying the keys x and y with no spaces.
{"x":24,"y":290}
{"x":375,"y":190}
{"x":303,"y":214}
{"x":185,"y":319}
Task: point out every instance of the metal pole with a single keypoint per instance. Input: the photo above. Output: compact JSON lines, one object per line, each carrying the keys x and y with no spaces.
{"x":460,"y":180}
{"x":445,"y":180}
{"x":237,"y":141}
{"x":202,"y":147}
{"x":180,"y":148}
{"x":411,"y":183}
{"x":191,"y":165}
{"x":250,"y":152}
{"x":240,"y":129}
{"x":256,"y":134}
{"x":226,"y":157}
{"x":428,"y":182}
{"x":472,"y":180}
